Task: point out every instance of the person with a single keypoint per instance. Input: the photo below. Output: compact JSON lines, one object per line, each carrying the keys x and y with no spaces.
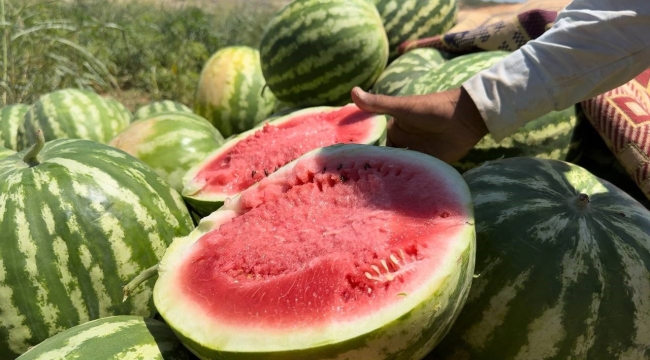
{"x":594,"y":46}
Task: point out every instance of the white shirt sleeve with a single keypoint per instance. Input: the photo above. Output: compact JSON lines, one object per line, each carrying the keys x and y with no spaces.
{"x":593,"y":47}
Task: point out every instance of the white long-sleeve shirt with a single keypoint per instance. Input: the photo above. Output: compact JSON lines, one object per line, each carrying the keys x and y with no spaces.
{"x":593,"y":47}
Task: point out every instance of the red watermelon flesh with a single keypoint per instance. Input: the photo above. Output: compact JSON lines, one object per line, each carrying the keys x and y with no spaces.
{"x":334,"y":240}
{"x":247,"y":159}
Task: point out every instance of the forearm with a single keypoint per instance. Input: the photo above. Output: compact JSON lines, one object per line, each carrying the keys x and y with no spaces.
{"x":594,"y":46}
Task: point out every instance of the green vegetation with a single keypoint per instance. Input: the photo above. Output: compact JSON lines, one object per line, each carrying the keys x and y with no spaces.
{"x":135,"y":51}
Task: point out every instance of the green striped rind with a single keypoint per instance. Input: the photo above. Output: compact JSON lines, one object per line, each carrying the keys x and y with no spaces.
{"x":113,"y":338}
{"x":232,"y":92}
{"x":408,"y":332}
{"x":204,"y":203}
{"x":171,"y":143}
{"x":453,"y":73}
{"x":548,"y":137}
{"x":4,"y":152}
{"x":121,"y":111}
{"x":415,"y":19}
{"x":158,"y":107}
{"x":407,"y":68}
{"x":559,"y":278}
{"x":313,"y":52}
{"x":71,"y":113}
{"x":75,"y":229}
{"x":11,"y":116}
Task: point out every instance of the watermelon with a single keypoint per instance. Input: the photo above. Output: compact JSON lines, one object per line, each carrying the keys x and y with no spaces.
{"x":171,"y":143}
{"x":157,"y":107}
{"x":4,"y":152}
{"x":415,"y":19}
{"x":231,"y":93}
{"x":407,"y":68}
{"x":348,"y":252}
{"x":113,"y":338}
{"x":313,"y":52}
{"x":11,"y":116}
{"x":253,"y":155}
{"x":71,"y":113}
{"x":453,"y":73}
{"x":563,"y":267}
{"x":79,"y":219}
{"x":121,"y":111}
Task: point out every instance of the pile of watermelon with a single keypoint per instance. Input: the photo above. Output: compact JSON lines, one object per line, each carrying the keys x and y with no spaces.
{"x":268,"y":220}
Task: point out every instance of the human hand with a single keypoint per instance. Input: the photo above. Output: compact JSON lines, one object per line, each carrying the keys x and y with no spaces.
{"x":446,"y":125}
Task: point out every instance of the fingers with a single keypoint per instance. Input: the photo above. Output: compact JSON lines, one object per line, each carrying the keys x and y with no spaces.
{"x":394,"y":106}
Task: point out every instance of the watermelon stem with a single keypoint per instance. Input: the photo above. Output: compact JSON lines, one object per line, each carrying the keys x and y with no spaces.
{"x":583,"y":201}
{"x":142,"y":277}
{"x":31,"y":157}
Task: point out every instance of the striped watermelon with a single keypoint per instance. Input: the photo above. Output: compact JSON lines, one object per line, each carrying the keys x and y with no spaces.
{"x":157,"y":107}
{"x":171,"y":143}
{"x":563,"y":267}
{"x":231,"y":93}
{"x":415,"y":19}
{"x":453,"y":73}
{"x":113,"y":338}
{"x":407,"y":68}
{"x":345,"y":253}
{"x":121,"y":111}
{"x":71,"y":113}
{"x":252,"y":155}
{"x":313,"y":52}
{"x":79,"y":219}
{"x":11,"y":117}
{"x":4,"y":152}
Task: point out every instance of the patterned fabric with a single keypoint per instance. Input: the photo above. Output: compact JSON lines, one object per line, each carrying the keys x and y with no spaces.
{"x":622,"y":118}
{"x":506,"y":34}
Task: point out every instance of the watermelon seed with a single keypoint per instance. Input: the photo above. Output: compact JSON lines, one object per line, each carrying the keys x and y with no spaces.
{"x":376,"y":268}
{"x":383,"y":263}
{"x":366,"y":166}
{"x":394,"y":260}
{"x":266,"y":173}
{"x":343,"y":178}
{"x":253,"y":173}
{"x":444,"y":215}
{"x":339,"y":167}
{"x":324,"y":169}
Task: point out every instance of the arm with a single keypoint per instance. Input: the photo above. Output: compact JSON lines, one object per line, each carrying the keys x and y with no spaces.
{"x":594,"y":46}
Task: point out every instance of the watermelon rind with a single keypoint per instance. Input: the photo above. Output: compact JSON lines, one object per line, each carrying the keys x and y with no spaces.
{"x":73,"y":114}
{"x":11,"y":117}
{"x":121,"y":111}
{"x":113,"y":338}
{"x":157,"y":107}
{"x":415,"y":19}
{"x":407,"y":68}
{"x":563,"y":267}
{"x":205,"y":203}
{"x":76,"y":227}
{"x":170,"y":143}
{"x":232,"y":92}
{"x":407,"y":330}
{"x":314,"y":52}
{"x":4,"y":152}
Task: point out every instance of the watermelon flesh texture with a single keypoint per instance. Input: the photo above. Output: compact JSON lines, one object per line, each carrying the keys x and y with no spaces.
{"x":332,"y":248}
{"x":249,"y":159}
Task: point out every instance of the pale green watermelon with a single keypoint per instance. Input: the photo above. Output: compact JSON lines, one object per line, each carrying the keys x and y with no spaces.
{"x":79,"y":220}
{"x":407,"y":68}
{"x":157,"y":107}
{"x":71,"y":113}
{"x":232,"y":92}
{"x":415,"y":19}
{"x":113,"y":338}
{"x":11,"y":116}
{"x":171,"y":143}
{"x":4,"y":152}
{"x":562,"y":267}
{"x":121,"y":111}
{"x":346,"y":253}
{"x":313,"y":52}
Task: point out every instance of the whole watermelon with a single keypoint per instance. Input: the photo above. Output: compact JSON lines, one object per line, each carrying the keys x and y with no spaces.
{"x":11,"y":117}
{"x":406,"y":69}
{"x":79,"y":220}
{"x":71,"y":113}
{"x":113,"y":338}
{"x":313,"y":52}
{"x":121,"y":111}
{"x":171,"y":143}
{"x":562,"y":264}
{"x":415,"y":19}
{"x":157,"y":107}
{"x":231,"y":93}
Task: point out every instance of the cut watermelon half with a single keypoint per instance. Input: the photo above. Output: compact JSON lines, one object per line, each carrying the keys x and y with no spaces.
{"x":349,"y":252}
{"x":251,"y":156}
